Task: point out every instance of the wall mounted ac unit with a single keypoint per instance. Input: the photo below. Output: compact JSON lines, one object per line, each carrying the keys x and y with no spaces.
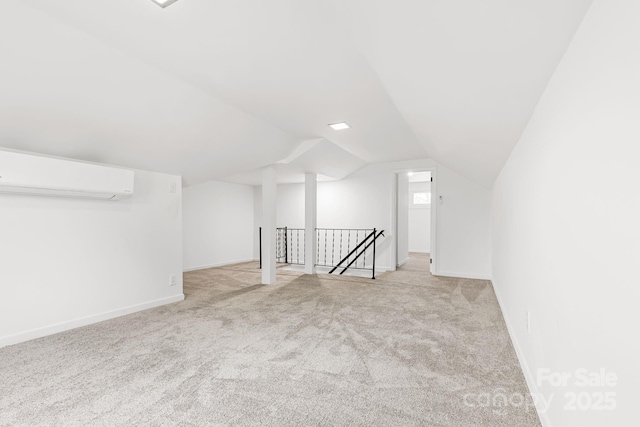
{"x":36,"y":175}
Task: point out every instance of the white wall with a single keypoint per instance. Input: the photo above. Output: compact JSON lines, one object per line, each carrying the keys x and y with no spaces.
{"x":290,"y":206}
{"x":70,"y":262}
{"x":257,"y":220}
{"x":366,"y":200}
{"x":403,"y":219}
{"x":218,"y":224}
{"x":363,"y":202}
{"x":464,"y":226}
{"x":289,"y":210}
{"x":419,"y":227}
{"x":566,"y":228}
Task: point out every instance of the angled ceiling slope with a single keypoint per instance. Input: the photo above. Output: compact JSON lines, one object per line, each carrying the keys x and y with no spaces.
{"x":67,"y":94}
{"x":207,"y":88}
{"x":286,"y":62}
{"x":466,"y":75}
{"x":318,"y":156}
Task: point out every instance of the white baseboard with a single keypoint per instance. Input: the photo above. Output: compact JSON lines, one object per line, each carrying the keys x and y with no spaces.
{"x":528,"y":375}
{"x":84,"y":321}
{"x":403,"y":262}
{"x":462,"y":275}
{"x":218,"y":264}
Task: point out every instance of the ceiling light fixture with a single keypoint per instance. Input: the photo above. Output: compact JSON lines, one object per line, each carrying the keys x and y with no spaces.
{"x":164,"y":3}
{"x":339,"y":126}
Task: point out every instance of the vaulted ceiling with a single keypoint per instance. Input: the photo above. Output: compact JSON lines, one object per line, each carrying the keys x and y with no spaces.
{"x":210,"y":89}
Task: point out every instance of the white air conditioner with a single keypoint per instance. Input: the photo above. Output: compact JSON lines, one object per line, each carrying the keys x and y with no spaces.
{"x":36,"y":175}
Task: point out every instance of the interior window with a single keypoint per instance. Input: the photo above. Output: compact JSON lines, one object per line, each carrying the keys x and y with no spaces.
{"x":421,"y":198}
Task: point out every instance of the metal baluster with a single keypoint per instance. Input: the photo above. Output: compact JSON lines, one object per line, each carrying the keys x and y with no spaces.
{"x":325,"y":246}
{"x":364,"y":253}
{"x":357,"y":240}
{"x":333,"y":246}
{"x":260,"y":242}
{"x":340,"y":244}
{"x":373,"y":267}
{"x":349,"y":242}
{"x":357,"y":259}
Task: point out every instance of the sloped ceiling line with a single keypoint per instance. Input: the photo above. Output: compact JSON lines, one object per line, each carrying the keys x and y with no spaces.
{"x":238,"y":85}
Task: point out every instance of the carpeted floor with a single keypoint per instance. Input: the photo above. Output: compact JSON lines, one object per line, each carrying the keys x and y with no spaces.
{"x":406,"y":349}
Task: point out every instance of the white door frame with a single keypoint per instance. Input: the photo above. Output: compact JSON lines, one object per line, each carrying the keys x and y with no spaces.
{"x":434,"y":215}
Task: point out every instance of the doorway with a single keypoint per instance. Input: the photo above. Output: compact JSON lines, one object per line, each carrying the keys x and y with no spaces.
{"x":415,"y":220}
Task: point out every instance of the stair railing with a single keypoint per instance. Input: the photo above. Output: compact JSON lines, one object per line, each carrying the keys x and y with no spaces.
{"x":332,"y":243}
{"x":289,"y":245}
{"x":352,"y":258}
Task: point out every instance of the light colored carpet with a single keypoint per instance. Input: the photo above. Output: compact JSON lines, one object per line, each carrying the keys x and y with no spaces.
{"x":406,"y":349}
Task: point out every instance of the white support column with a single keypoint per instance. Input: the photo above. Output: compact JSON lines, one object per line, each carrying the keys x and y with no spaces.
{"x":269,"y":192}
{"x":310,"y":221}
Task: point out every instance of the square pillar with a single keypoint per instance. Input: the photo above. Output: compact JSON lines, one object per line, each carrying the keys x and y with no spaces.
{"x":310,"y":222}
{"x":269,"y":193}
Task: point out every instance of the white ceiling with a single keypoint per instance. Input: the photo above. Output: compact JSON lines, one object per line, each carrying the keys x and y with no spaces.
{"x":465,"y":74}
{"x":210,"y":89}
{"x":329,"y":161}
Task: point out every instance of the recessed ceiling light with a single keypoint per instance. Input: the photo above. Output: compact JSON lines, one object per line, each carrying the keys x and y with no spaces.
{"x":164,"y":3}
{"x":339,"y":126}
{"x":409,"y":173}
